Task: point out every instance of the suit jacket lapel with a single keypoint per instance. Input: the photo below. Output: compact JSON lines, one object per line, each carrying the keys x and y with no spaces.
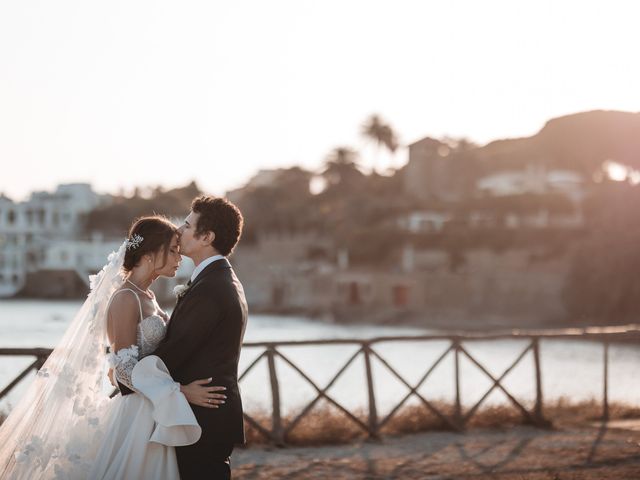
{"x":213,"y":266}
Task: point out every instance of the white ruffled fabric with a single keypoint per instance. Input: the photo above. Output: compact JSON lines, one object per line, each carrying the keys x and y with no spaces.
{"x":176,"y":425}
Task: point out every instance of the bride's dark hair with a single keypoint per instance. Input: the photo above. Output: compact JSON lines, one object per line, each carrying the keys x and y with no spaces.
{"x":151,"y":234}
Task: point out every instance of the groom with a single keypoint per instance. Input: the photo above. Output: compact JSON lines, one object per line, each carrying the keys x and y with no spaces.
{"x":205,"y":334}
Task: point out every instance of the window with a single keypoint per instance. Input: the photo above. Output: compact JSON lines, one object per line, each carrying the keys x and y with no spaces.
{"x":32,"y":259}
{"x":400,"y":295}
{"x":354,"y":294}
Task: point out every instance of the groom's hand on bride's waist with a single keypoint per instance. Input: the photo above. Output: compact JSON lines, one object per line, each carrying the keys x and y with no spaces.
{"x":198,"y":393}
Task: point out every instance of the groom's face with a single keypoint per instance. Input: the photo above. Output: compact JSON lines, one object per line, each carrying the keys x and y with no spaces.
{"x":190,"y":244}
{"x":187,"y":232}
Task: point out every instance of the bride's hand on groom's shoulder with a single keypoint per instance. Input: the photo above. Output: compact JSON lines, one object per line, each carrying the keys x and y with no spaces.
{"x":197,"y":393}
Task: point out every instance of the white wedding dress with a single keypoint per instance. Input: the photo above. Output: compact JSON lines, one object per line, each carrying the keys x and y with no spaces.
{"x":142,"y":428}
{"x":66,"y":427}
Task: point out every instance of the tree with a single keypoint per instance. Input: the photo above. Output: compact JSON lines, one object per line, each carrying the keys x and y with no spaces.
{"x":381,"y":134}
{"x":281,"y":206}
{"x":341,"y":168}
{"x":114,"y":219}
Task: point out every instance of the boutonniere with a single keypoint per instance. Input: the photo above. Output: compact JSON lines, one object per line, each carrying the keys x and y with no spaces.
{"x":180,"y":290}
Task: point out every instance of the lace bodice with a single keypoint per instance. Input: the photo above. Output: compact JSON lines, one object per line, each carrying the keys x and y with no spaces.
{"x":151,"y":331}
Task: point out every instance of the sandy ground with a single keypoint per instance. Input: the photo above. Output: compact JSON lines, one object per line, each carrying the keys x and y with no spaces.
{"x":585,"y":452}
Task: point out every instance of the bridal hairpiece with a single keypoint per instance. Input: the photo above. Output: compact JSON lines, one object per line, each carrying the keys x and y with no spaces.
{"x":134,"y":242}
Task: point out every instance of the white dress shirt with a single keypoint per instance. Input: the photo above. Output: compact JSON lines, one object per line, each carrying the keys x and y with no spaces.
{"x":203,"y":265}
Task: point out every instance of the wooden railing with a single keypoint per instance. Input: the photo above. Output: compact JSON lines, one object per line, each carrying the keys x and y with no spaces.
{"x":41,"y":355}
{"x":457,"y":420}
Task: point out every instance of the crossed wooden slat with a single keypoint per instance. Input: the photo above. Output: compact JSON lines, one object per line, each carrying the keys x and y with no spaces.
{"x":496,"y":384}
{"x":264,"y":431}
{"x":413,"y":390}
{"x":320,"y":394}
{"x":33,"y":366}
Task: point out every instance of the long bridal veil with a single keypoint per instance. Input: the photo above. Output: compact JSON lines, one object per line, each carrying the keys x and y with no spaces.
{"x":53,"y":430}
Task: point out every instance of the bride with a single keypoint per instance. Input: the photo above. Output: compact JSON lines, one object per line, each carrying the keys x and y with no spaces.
{"x":65,"y":426}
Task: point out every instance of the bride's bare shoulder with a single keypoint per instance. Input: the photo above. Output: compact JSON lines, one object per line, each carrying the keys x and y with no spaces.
{"x":123,"y":302}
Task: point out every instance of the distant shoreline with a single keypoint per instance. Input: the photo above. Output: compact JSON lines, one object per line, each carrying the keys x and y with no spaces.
{"x":442,"y":320}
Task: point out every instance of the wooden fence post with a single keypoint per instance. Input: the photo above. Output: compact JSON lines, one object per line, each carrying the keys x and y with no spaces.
{"x":605,"y":374}
{"x":373,"y":411}
{"x":458,"y":406}
{"x":538,"y":413}
{"x":276,"y":418}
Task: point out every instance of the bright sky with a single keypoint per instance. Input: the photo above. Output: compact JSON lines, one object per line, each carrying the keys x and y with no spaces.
{"x":125,"y":93}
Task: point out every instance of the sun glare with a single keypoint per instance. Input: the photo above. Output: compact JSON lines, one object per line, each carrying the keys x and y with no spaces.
{"x":616,"y":171}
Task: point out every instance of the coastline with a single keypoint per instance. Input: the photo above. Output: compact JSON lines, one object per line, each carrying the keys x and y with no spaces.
{"x":442,"y":320}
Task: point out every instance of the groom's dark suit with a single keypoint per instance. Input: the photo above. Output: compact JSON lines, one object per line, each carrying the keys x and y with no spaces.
{"x":204,"y":340}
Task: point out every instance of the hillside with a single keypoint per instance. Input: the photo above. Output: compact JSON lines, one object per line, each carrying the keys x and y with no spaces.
{"x":580,"y":141}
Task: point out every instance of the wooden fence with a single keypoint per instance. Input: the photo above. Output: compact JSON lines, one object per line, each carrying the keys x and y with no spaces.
{"x":367,"y":349}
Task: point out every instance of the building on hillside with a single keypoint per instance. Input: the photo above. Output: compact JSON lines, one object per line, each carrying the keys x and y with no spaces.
{"x":425,"y":221}
{"x":536,"y":179}
{"x":438,"y":172}
{"x":29,"y":228}
{"x":282,"y":272}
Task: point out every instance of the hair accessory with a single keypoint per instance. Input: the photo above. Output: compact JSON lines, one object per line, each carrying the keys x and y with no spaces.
{"x":134,"y":242}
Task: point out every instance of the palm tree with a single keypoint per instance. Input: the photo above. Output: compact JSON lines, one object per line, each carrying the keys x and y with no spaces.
{"x":341,"y":167}
{"x":381,"y":134}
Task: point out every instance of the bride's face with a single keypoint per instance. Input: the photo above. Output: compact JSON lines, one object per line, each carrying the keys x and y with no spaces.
{"x":173,"y":260}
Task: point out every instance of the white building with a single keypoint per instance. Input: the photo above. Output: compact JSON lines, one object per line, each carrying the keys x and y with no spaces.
{"x":534,"y":179}
{"x":82,"y":256}
{"x":426,"y":221}
{"x":29,"y":229}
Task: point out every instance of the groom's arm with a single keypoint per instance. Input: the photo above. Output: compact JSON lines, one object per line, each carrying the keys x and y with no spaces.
{"x":199,"y":314}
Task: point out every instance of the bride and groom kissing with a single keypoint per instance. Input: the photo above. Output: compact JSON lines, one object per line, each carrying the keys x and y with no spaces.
{"x":179,"y":412}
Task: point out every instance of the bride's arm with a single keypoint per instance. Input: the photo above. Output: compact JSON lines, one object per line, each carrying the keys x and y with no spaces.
{"x":122,"y":327}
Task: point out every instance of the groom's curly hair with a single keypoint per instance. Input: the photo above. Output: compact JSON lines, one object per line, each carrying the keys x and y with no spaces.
{"x":220,"y":216}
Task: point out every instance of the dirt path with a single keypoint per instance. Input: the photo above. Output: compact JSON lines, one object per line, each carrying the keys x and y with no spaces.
{"x":588,"y":452}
